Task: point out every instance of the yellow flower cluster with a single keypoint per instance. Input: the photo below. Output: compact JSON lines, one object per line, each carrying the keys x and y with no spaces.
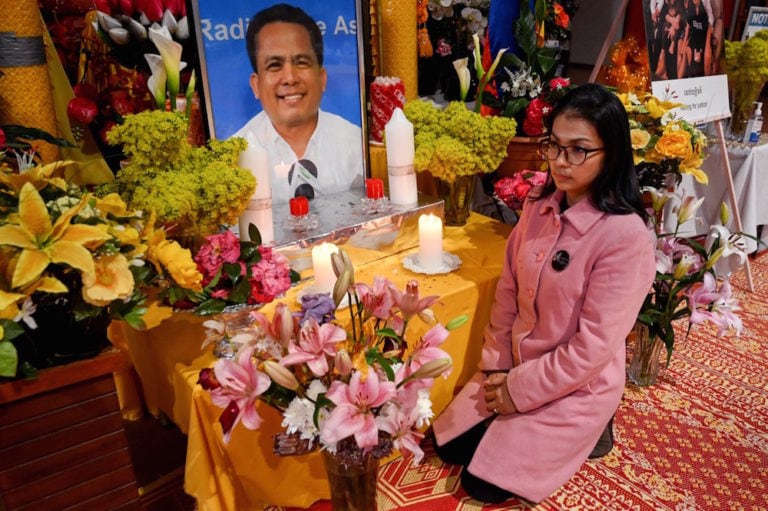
{"x":659,"y":137}
{"x":747,"y":69}
{"x":456,"y":141}
{"x":58,"y":240}
{"x":194,"y":189}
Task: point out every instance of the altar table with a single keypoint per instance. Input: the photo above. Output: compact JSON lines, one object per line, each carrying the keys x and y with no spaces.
{"x":749,"y":167}
{"x":245,"y":474}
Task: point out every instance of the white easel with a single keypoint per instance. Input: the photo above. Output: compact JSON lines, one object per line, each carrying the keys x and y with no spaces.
{"x":718,"y":125}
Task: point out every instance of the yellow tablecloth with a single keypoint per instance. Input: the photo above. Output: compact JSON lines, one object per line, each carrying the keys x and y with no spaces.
{"x":245,"y":474}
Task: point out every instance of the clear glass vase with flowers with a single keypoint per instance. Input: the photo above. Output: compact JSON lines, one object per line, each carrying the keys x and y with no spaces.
{"x":692,"y":282}
{"x":352,"y":387}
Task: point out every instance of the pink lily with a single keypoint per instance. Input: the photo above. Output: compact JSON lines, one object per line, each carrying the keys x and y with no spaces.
{"x":399,"y":423}
{"x":354,"y":414}
{"x":409,"y":302}
{"x":281,"y":328}
{"x":314,"y":343}
{"x":378,"y":301}
{"x":725,"y":309}
{"x":241,"y":385}
{"x":427,"y":349}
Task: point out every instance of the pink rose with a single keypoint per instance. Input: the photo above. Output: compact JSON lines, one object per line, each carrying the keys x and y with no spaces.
{"x":217,"y":250}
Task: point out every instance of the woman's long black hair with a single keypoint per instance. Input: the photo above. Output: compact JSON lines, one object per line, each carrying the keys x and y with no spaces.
{"x":616,"y":188}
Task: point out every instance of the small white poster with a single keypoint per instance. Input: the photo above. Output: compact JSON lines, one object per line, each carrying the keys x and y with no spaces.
{"x":757,"y":19}
{"x":703,"y":99}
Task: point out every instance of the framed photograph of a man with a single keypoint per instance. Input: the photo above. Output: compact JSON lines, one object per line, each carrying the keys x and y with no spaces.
{"x":290,"y":77}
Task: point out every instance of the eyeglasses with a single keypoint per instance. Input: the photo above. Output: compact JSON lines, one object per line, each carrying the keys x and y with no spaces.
{"x":574,"y":154}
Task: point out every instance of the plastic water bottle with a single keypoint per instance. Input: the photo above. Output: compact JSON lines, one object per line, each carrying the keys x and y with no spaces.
{"x":754,"y":125}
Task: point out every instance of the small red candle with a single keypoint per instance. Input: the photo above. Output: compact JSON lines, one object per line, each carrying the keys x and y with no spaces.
{"x":299,"y":206}
{"x":374,"y":188}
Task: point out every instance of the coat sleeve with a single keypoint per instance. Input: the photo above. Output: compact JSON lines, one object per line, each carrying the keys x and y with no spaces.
{"x":497,"y":337}
{"x":620,"y":279}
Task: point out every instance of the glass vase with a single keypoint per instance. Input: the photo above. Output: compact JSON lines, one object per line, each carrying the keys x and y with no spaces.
{"x":458,"y":198}
{"x":646,"y":359}
{"x":353,"y":485}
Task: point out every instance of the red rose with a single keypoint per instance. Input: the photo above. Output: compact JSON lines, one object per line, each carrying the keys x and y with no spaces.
{"x":82,"y":110}
{"x":559,"y":83}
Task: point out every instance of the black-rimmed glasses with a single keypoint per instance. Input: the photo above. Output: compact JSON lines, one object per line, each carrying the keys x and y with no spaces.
{"x":574,"y":154}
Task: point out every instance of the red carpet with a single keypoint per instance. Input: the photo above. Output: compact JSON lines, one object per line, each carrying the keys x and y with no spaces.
{"x":697,"y":440}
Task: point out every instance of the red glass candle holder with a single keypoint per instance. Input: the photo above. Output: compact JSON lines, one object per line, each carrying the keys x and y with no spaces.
{"x":374,"y":188}
{"x":299,"y":206}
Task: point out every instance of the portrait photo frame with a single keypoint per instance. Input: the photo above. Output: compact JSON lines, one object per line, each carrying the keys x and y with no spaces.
{"x":220,"y":29}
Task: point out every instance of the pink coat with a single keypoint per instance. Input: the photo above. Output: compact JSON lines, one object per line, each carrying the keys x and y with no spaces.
{"x":561,"y":335}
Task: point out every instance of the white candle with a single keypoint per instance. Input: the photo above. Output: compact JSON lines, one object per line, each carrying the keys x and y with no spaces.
{"x":400,"y":153}
{"x":256,"y":159}
{"x":322,"y":268}
{"x":262,"y":219}
{"x":430,"y":241}
{"x":281,"y":170}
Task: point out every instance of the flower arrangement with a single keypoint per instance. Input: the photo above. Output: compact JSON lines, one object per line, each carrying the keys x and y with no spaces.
{"x":526,"y":86}
{"x":691,"y":278}
{"x":234,"y":272}
{"x":193,"y":190}
{"x":747,"y":69}
{"x":70,"y":258}
{"x":454,"y":141}
{"x":512,"y":191}
{"x":354,"y":391}
{"x":664,"y":145}
{"x":461,"y":19}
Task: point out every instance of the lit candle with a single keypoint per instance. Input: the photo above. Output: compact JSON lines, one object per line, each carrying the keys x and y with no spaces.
{"x":374,"y":188}
{"x":256,"y":159}
{"x":281,"y":170}
{"x":322,"y":268}
{"x":400,"y":154}
{"x":430,"y":241}
{"x":299,"y":206}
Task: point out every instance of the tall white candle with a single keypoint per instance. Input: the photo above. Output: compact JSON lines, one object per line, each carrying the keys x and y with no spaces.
{"x":322,"y":268}
{"x":261,"y":218}
{"x":430,"y":241}
{"x":256,"y":159}
{"x":400,"y":153}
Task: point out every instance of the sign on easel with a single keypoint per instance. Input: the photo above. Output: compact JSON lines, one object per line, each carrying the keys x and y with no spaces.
{"x":757,"y":20}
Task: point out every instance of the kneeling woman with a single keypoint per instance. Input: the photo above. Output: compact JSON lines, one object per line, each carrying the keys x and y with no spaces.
{"x":577,"y":268}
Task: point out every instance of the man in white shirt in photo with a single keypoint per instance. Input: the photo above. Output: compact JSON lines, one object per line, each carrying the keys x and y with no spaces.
{"x":324,"y":151}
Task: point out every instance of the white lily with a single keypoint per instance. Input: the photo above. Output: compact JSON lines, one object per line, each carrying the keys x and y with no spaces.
{"x":462,"y":69}
{"x":728,"y":258}
{"x":156,"y":82}
{"x":170,"y":52}
{"x":688,"y":208}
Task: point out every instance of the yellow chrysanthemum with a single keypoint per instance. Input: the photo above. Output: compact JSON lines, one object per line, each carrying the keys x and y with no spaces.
{"x":111,"y":280}
{"x":177,"y":260}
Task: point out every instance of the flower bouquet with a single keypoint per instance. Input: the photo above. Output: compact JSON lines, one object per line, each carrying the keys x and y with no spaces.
{"x":234,"y":272}
{"x":353,"y":388}
{"x":193,"y":190}
{"x":512,"y":191}
{"x":691,"y":278}
{"x":526,"y":86}
{"x":664,"y":145}
{"x":69,"y":259}
{"x":747,"y":69}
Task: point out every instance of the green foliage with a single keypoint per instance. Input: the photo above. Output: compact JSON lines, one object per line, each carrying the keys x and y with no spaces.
{"x":195,"y":189}
{"x":455,"y":141}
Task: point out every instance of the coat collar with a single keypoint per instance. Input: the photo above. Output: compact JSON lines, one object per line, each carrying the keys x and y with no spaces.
{"x":582,"y":216}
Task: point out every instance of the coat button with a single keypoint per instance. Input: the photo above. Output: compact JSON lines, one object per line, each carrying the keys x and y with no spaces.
{"x":557,"y":224}
{"x":530,"y":293}
{"x":539,"y":257}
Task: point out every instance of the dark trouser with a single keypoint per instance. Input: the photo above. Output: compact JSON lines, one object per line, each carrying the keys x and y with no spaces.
{"x":460,"y":451}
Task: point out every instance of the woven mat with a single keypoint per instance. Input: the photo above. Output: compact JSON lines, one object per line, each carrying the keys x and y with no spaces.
{"x":697,"y":440}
